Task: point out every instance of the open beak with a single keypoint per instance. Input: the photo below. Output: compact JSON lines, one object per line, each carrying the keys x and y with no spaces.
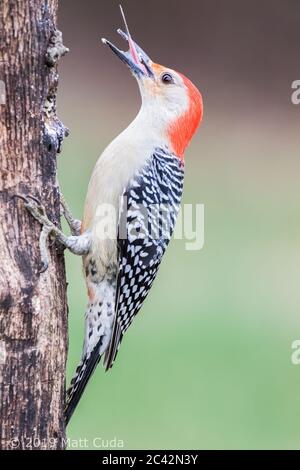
{"x":135,"y":58}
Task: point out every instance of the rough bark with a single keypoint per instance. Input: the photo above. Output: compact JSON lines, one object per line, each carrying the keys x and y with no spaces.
{"x":33,"y":307}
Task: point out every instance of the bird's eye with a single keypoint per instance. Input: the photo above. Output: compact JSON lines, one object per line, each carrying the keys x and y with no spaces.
{"x":167,"y":78}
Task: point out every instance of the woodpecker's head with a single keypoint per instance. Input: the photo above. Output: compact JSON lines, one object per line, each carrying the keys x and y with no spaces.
{"x":171,"y":101}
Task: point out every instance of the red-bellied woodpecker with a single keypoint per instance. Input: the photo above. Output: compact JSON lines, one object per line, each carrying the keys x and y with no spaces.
{"x":130,"y":211}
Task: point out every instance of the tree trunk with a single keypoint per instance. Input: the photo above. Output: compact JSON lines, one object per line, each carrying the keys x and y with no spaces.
{"x":33,"y":306}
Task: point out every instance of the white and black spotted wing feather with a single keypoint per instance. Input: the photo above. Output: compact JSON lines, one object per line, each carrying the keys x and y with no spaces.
{"x":147,"y":218}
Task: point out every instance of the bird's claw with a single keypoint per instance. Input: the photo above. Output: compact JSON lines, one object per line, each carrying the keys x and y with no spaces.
{"x":43,"y":268}
{"x":37,"y":210}
{"x":26,"y":198}
{"x":46,"y":231}
{"x":34,"y":206}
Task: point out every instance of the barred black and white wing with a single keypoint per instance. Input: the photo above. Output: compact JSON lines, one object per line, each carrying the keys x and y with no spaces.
{"x":148,"y":214}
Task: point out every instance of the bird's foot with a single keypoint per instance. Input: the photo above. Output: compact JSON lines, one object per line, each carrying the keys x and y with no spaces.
{"x":37,"y":210}
{"x":79,"y":245}
{"x":74,"y":224}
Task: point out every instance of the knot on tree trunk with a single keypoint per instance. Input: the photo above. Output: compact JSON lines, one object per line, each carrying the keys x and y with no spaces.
{"x":56,"y":48}
{"x":55,"y":131}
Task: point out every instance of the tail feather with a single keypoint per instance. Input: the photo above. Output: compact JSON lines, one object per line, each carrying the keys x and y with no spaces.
{"x":99,"y":319}
{"x":80,"y":380}
{"x":112,"y":350}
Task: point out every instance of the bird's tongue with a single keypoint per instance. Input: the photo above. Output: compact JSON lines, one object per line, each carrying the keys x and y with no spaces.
{"x":132,"y":48}
{"x":133,"y":51}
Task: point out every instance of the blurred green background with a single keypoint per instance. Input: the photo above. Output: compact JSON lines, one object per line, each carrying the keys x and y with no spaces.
{"x":207,"y":363}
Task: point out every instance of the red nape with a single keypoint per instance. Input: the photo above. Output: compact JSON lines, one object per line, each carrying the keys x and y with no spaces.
{"x":182,"y":130}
